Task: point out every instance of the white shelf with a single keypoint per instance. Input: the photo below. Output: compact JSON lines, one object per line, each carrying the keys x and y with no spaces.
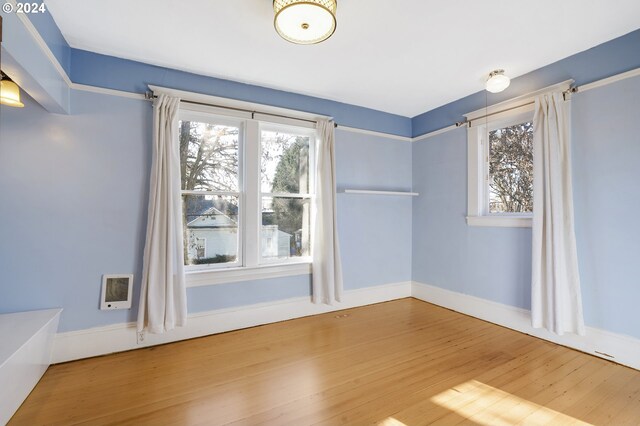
{"x":362,"y":191}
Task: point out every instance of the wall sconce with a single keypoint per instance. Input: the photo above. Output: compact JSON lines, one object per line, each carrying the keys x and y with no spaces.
{"x":9,"y":92}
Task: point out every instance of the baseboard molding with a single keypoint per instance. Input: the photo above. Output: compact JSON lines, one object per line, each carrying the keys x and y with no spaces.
{"x":614,"y":347}
{"x":91,"y":342}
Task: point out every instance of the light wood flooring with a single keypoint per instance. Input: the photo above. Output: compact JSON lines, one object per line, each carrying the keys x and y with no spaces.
{"x":398,"y":363}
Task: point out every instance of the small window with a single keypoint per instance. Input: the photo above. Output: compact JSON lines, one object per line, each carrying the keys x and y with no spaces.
{"x":201,"y":248}
{"x":500,"y":169}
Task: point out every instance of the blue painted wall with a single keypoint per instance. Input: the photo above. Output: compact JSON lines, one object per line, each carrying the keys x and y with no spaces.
{"x":374,"y":230}
{"x":494,"y":263}
{"x":73,"y":202}
{"x":607,"y":59}
{"x":73,"y":191}
{"x":130,"y":76}
{"x":606,"y":186}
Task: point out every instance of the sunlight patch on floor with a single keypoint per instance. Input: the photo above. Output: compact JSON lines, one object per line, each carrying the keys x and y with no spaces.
{"x":390,"y":421}
{"x":486,"y":405}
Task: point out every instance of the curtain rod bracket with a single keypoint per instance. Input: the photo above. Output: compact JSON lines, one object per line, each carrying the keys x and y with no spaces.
{"x":148,"y":95}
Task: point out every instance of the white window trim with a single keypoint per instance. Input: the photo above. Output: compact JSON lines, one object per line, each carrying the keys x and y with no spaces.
{"x":252,"y":266}
{"x":514,"y":111}
{"x":200,"y":278}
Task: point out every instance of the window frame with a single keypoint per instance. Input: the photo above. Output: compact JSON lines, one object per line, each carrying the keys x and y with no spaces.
{"x":478,"y":212}
{"x":249,"y":264}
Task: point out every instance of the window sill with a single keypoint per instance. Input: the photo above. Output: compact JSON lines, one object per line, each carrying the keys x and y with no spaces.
{"x":500,"y":221}
{"x":202,"y":278}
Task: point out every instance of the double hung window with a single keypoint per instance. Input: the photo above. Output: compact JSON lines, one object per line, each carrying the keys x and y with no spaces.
{"x":247,"y":191}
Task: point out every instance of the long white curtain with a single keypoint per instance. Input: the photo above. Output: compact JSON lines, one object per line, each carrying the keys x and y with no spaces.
{"x":163,"y":296}
{"x":556,"y":302}
{"x":327,"y":269}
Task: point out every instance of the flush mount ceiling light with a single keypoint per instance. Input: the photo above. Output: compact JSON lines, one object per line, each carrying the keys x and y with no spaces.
{"x":497,"y":81}
{"x":305,"y":21}
{"x":9,"y":92}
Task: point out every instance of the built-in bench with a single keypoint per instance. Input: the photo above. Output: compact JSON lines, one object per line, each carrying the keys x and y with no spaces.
{"x":26,"y":343}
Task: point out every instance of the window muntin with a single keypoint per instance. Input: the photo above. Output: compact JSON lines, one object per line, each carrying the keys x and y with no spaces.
{"x":211,"y":183}
{"x":286,"y":178}
{"x":509,"y":168}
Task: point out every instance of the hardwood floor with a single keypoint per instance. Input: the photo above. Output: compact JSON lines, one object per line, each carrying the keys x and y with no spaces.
{"x":404,"y":362}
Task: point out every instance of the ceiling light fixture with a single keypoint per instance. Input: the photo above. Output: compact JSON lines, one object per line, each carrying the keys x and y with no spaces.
{"x":497,"y":81}
{"x":305,"y":21}
{"x":9,"y":92}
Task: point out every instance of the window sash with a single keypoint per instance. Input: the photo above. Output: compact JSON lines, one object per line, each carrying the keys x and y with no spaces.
{"x":209,"y":118}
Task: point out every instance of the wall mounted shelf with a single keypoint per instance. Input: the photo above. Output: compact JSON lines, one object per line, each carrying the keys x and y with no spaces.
{"x":368,"y":192}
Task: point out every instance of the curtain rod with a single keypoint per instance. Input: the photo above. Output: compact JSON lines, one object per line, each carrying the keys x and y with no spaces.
{"x":572,"y":89}
{"x":150,"y":96}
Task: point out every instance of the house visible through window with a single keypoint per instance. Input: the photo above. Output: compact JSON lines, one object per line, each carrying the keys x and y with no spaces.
{"x":246,"y":188}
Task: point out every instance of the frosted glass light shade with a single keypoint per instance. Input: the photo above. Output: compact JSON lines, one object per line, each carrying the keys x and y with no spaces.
{"x":305,"y":21}
{"x":497,"y":81}
{"x":10,"y":94}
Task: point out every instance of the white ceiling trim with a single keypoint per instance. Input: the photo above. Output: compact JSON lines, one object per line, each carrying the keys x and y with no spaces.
{"x":42,"y":44}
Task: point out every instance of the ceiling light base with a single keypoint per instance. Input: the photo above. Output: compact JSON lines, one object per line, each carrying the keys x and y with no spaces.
{"x":305,"y":21}
{"x":497,"y":81}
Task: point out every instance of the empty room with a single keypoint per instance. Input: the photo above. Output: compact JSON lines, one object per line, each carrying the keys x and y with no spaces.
{"x":319,"y":212}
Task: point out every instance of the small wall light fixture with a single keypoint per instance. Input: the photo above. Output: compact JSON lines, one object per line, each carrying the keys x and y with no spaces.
{"x":497,"y":81}
{"x":305,"y":21}
{"x":9,"y":92}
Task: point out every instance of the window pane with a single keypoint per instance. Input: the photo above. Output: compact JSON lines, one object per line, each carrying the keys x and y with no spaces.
{"x":210,"y":229}
{"x":285,"y":163}
{"x":208,"y":156}
{"x":285,"y":228}
{"x":511,"y":169}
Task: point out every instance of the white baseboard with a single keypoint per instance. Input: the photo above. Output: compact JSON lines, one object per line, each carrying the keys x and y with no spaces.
{"x":615,"y":347}
{"x":122,"y":337}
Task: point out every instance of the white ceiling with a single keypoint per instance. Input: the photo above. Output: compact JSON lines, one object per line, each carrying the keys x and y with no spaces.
{"x":404,"y":56}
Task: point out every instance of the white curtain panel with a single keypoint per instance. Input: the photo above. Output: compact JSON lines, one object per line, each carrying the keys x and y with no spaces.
{"x":327,"y":269}
{"x":163,"y":296}
{"x":556,"y":302}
